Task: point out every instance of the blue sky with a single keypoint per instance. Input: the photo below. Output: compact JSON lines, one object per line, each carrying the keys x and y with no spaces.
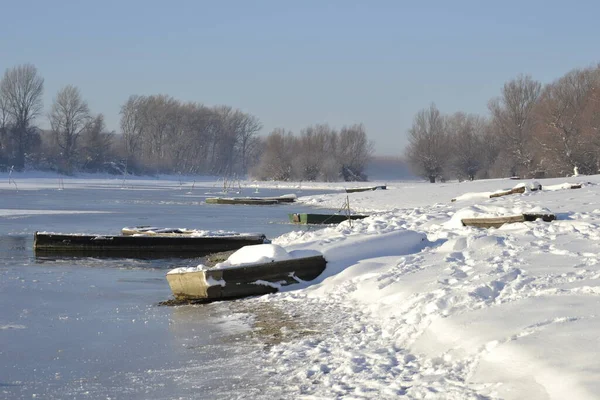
{"x":298,"y":63}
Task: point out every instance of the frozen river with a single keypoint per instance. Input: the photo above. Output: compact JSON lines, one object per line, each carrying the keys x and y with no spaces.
{"x":91,"y":328}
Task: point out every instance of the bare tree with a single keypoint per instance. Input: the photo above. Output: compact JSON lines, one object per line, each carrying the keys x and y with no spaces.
{"x":158,"y":112}
{"x":276,"y":161}
{"x":564,"y":132}
{"x":21,"y":90}
{"x":592,"y":114}
{"x":247,"y":129}
{"x":132,"y":127}
{"x":354,"y":152}
{"x":490,"y":150}
{"x":69,"y":117}
{"x":4,"y":131}
{"x":311,"y":152}
{"x":95,"y":145}
{"x":427,"y":151}
{"x":466,"y":135}
{"x":164,"y":134}
{"x":512,"y":116}
{"x":254,"y":152}
{"x":190,"y":148}
{"x":226,"y":124}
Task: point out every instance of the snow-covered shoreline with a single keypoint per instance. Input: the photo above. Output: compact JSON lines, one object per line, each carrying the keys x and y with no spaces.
{"x":412,"y":303}
{"x":507,"y":313}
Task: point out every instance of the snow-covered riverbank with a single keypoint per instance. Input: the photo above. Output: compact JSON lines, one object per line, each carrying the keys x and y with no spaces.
{"x":412,"y":303}
{"x":417,"y":305}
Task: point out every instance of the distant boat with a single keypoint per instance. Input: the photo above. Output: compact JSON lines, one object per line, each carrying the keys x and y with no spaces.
{"x":322,"y":218}
{"x":366,"y":189}
{"x":251,"y":200}
{"x":243,"y":281}
{"x":145,"y":246}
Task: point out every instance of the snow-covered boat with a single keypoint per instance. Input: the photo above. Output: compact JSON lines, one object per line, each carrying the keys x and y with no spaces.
{"x":248,"y":272}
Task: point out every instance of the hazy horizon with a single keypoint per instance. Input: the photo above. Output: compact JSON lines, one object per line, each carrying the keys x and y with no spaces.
{"x":294,"y":65}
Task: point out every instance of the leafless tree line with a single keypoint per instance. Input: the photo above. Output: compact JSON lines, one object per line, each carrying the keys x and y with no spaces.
{"x":532,"y":130}
{"x":76,"y":137}
{"x":160,"y":134}
{"x":21,"y":92}
{"x":318,"y":153}
{"x":166,"y":135}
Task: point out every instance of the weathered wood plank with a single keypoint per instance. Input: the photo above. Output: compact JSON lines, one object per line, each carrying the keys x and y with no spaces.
{"x":496,"y":222}
{"x":508,"y":192}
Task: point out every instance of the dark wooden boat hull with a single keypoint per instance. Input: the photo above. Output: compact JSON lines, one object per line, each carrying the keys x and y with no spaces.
{"x":322,"y":218}
{"x":279,"y":199}
{"x":241,"y":200}
{"x":366,"y":189}
{"x":233,"y":283}
{"x":139,"y":246}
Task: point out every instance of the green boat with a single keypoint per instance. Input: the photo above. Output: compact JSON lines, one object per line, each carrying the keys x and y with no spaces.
{"x":322,"y":218}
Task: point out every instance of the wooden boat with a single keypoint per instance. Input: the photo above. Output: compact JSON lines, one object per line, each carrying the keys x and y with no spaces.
{"x":242,"y":200}
{"x":322,"y":218}
{"x":366,"y":189}
{"x":252,"y":200}
{"x":236,"y":282}
{"x":139,"y":246}
{"x":496,"y":222}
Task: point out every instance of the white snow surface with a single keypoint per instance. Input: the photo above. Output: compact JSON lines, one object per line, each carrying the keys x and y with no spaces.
{"x":183,"y":270}
{"x":190,"y":232}
{"x":413,"y":304}
{"x":260,"y":254}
